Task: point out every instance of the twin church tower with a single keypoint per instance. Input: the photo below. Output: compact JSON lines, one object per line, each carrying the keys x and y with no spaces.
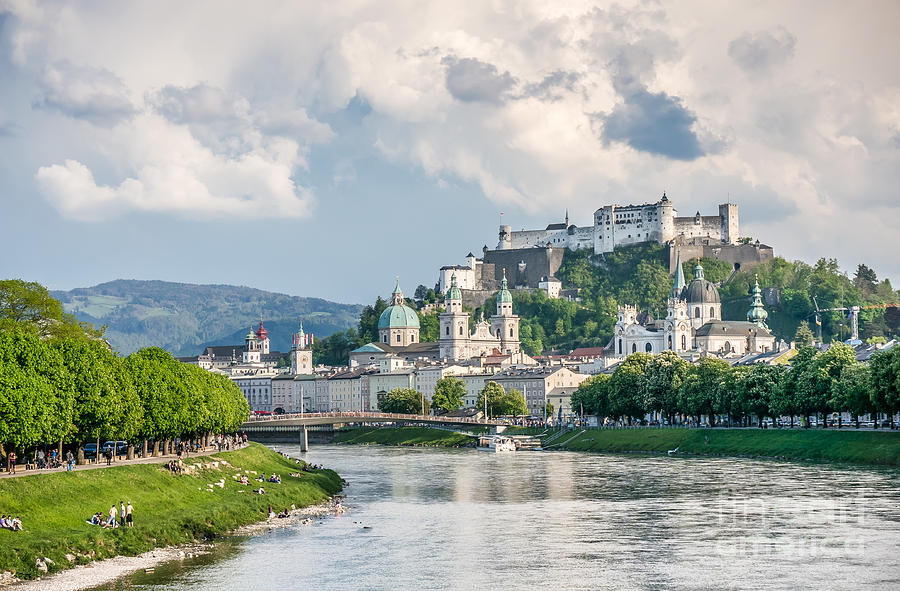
{"x":399,"y":327}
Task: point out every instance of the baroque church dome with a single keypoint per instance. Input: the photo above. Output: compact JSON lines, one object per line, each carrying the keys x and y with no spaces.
{"x":398,"y":314}
{"x":700,"y":290}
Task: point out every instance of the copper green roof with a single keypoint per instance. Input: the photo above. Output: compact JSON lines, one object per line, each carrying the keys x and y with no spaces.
{"x":398,"y":314}
{"x":504,"y":295}
{"x":757,"y":313}
{"x":454,"y":292}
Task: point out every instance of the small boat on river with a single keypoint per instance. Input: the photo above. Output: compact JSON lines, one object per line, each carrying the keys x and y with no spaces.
{"x":496,"y":443}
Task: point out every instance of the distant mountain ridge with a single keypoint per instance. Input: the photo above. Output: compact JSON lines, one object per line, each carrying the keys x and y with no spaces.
{"x":182,"y":318}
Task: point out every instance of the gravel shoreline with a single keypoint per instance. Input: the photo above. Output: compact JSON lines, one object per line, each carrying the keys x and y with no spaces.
{"x":99,"y":572}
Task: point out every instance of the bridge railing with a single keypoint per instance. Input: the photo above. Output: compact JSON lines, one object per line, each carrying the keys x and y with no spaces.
{"x":370,"y":416}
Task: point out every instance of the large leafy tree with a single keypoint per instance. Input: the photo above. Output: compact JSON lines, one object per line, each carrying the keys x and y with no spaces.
{"x":853,"y":392}
{"x":404,"y":401}
{"x":29,"y":306}
{"x":662,"y":378}
{"x":593,"y":395}
{"x":491,"y":398}
{"x":448,"y":393}
{"x":885,"y":366}
{"x":758,"y":388}
{"x":702,"y":389}
{"x":626,"y":387}
{"x":816,"y":382}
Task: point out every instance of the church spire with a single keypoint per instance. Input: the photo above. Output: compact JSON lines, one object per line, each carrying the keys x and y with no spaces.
{"x":679,"y":278}
{"x":397,"y":296}
{"x":757,"y":313}
{"x":567,"y":217}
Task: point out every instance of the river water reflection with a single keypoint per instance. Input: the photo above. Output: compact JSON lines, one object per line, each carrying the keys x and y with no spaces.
{"x":461,"y":519}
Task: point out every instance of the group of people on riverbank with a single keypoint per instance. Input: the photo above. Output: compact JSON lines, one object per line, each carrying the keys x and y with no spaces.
{"x":11,"y":523}
{"x":42,"y":459}
{"x":120,"y":516}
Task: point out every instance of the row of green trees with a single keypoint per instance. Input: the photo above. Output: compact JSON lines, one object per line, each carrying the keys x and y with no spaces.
{"x":448,"y":396}
{"x":815,"y":383}
{"x":74,"y":389}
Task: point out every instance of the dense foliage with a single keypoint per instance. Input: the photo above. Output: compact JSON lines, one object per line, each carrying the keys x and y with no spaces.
{"x":448,"y":394}
{"x":816,"y":383}
{"x":500,"y":402}
{"x":182,"y":318}
{"x":404,"y":401}
{"x":59,"y":383}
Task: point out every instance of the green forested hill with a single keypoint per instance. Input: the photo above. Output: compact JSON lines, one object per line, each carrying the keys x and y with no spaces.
{"x":183,"y":317}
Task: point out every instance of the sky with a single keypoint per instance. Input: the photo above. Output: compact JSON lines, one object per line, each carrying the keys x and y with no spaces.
{"x":321,"y":149}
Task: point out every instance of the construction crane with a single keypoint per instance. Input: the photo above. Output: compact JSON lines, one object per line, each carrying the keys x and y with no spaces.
{"x":854,"y":318}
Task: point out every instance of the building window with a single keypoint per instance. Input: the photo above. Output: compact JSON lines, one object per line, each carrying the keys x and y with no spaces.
{"x":712,"y":312}
{"x":670,"y":342}
{"x":634,"y":347}
{"x":447,"y":331}
{"x":510,"y":332}
{"x":683,"y":342}
{"x":697,"y":312}
{"x":384,"y":339}
{"x":398,"y":338}
{"x":460,"y":330}
{"x":620,"y":346}
{"x":648,"y":348}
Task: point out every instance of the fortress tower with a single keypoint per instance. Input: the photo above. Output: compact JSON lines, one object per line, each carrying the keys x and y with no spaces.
{"x":728,"y":216}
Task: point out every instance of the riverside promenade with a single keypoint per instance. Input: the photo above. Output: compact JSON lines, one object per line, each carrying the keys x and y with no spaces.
{"x":161,"y":459}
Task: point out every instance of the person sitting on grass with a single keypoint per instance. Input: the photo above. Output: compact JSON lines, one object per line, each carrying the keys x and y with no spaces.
{"x":12,"y":523}
{"x":275,"y":478}
{"x":96,"y":519}
{"x":260,"y":490}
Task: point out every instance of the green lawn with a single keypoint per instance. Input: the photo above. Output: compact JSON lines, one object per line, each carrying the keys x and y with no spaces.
{"x":416,"y":436}
{"x":863,"y":447}
{"x":168,"y":509}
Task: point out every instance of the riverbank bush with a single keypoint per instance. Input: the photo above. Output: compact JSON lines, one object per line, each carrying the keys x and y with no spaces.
{"x":860,"y":447}
{"x":412,"y":436}
{"x":168,"y":509}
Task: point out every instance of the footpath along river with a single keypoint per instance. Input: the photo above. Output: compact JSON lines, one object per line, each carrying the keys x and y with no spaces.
{"x":461,"y":519}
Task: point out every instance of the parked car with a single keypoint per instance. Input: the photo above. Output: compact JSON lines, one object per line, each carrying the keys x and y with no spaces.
{"x":90,"y":451}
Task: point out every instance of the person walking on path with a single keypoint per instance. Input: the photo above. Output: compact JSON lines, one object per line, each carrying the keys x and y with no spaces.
{"x":70,"y":461}
{"x":108,"y":453}
{"x":128,"y":512}
{"x":11,"y":463}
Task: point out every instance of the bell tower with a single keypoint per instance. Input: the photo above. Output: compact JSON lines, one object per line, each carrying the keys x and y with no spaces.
{"x":301,"y":352}
{"x":505,"y":324}
{"x":454,"y":337}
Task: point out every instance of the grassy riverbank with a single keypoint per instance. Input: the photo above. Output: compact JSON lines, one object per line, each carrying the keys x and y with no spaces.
{"x":411,"y":436}
{"x":168,"y":509}
{"x":860,"y":447}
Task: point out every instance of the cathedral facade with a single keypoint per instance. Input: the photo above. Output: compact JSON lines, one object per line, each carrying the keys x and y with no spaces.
{"x":501,"y":334}
{"x":693,"y":323}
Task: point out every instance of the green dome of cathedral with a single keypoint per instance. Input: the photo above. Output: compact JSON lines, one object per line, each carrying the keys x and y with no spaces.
{"x":504,"y":295}
{"x":398,"y":314}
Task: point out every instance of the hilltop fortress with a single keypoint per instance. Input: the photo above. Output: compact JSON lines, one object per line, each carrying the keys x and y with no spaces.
{"x":621,"y":225}
{"x":532,"y":257}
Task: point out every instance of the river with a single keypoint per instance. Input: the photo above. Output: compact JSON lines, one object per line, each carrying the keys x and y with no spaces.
{"x":460,"y":519}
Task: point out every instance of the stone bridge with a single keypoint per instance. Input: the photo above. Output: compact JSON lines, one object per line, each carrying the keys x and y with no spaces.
{"x":298,"y":423}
